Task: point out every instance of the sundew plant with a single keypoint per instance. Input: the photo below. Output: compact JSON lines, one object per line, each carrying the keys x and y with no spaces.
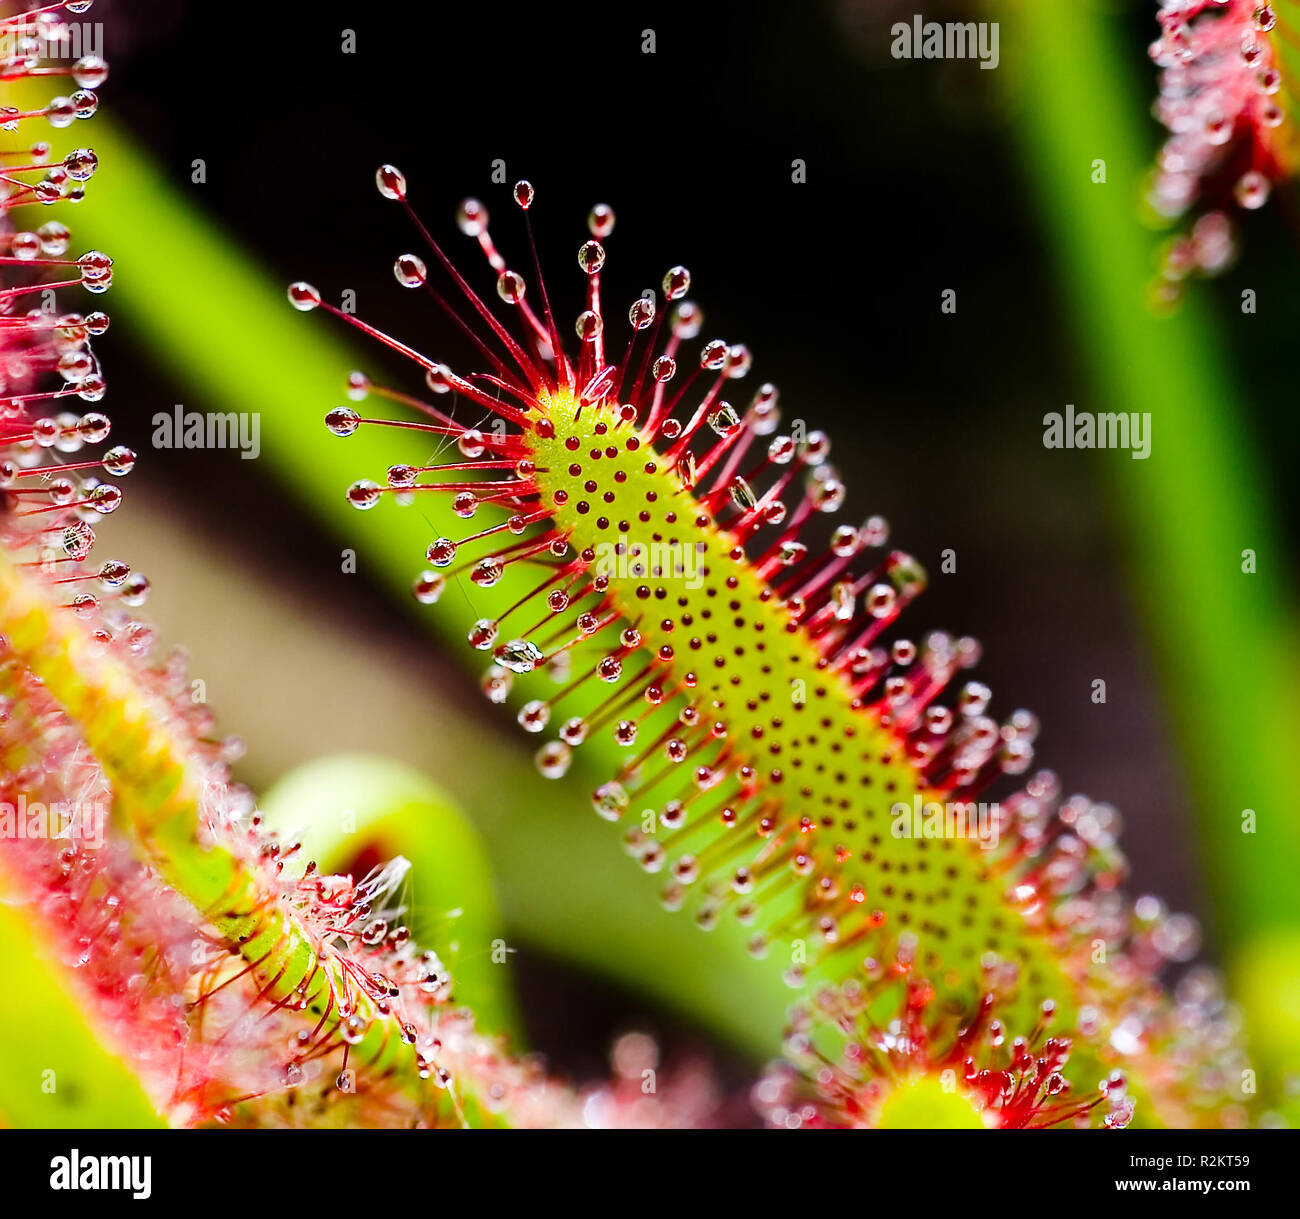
{"x":722,"y":762}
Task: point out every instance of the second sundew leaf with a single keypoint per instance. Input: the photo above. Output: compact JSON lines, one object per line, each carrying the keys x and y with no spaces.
{"x":790,"y":761}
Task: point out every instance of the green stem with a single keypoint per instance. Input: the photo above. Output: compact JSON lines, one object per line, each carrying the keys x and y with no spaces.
{"x":1225,"y":638}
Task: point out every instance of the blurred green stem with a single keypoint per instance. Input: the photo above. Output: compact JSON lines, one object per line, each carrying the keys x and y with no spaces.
{"x":1225,"y":639}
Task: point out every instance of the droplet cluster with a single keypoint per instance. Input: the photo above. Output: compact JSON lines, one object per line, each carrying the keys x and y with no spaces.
{"x":56,"y":461}
{"x":1221,"y":97}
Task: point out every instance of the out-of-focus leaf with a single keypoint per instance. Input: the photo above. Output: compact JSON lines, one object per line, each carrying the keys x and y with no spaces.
{"x":354,"y":812}
{"x":1226,"y":640}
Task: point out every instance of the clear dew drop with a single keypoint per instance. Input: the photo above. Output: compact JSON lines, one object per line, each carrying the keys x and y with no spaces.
{"x":94,"y":428}
{"x":844,"y":601}
{"x":1218,"y":129}
{"x":81,"y":164}
{"x":409,"y":271}
{"x":642,"y":311}
{"x":119,"y":460}
{"x":303,"y":297}
{"x":75,"y":365}
{"x":713,"y":355}
{"x":487,"y":572}
{"x":874,"y":531}
{"x":364,"y":494}
{"x":95,"y":264}
{"x":391,"y":182}
{"x":518,"y":655}
{"x":609,"y":668}
{"x":511,"y":287}
{"x":69,"y":438}
{"x":106,"y":498}
{"x":816,"y":447}
{"x":441,"y":552}
{"x":113,"y":572}
{"x":483,"y":634}
{"x":676,"y":283}
{"x":343,"y":421}
{"x":781,"y":450}
{"x":724,"y":421}
{"x":741,"y":494}
{"x":907,"y":573}
{"x":591,"y":256}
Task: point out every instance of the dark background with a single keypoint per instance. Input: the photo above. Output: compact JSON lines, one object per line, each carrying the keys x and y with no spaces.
{"x":914,"y":185}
